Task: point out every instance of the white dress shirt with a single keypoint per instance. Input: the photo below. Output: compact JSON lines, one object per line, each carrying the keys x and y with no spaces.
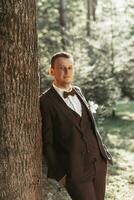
{"x":71,"y":101}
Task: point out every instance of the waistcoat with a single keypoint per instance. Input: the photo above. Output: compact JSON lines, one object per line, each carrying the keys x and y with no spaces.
{"x":90,"y":140}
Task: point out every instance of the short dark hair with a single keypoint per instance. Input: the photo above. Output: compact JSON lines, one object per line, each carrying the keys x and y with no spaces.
{"x":58,"y":55}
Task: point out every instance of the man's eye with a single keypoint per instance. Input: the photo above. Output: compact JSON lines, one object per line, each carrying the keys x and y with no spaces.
{"x":62,"y":68}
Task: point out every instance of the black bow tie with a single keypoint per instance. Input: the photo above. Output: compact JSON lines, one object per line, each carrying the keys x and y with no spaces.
{"x":66,"y":94}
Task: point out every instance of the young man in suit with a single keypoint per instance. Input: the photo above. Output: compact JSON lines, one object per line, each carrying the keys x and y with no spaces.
{"x":72,"y":145}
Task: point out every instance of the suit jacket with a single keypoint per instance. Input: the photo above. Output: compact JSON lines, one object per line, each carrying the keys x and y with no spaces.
{"x":63,"y":144}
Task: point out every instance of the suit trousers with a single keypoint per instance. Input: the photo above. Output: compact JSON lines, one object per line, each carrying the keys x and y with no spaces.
{"x":94,"y":187}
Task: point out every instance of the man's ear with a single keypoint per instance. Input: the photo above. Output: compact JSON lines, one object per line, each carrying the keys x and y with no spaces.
{"x":51,"y":71}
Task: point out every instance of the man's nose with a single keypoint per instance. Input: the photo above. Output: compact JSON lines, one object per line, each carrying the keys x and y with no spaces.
{"x":66,"y":70}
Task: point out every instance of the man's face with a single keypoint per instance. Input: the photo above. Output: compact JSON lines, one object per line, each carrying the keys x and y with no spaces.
{"x":63,"y":71}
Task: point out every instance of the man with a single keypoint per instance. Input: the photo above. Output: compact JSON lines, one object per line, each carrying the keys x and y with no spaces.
{"x":71,"y":142}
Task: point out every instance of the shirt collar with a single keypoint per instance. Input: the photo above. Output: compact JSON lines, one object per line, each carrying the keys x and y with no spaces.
{"x":60,"y":90}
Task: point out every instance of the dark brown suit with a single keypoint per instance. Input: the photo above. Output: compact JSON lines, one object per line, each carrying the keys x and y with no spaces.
{"x":65,"y":146}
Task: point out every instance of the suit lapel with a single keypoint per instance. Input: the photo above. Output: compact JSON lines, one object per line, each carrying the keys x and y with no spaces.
{"x":84,"y":101}
{"x":82,"y":98}
{"x":99,"y":139}
{"x":59,"y":102}
{"x":93,"y":120}
{"x":87,"y":106}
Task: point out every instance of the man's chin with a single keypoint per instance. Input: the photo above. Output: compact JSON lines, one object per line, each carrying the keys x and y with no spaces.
{"x":68,"y":82}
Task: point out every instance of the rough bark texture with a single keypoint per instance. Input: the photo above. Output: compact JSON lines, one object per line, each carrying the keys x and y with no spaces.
{"x":20,"y":147}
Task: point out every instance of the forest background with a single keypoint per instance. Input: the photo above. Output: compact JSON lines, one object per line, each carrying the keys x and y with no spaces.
{"x":100,"y":36}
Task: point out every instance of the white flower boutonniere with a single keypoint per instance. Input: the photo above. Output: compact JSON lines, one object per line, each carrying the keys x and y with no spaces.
{"x":93,"y":106}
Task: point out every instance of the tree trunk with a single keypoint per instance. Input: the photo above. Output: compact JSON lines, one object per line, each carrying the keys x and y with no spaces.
{"x":112,"y":62}
{"x":20,"y":140}
{"x":88,"y":17}
{"x":91,"y":9}
{"x":62,"y":22}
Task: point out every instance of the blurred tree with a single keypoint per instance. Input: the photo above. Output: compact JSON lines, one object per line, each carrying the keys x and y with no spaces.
{"x":49,"y":36}
{"x":101,"y":87}
{"x":125,"y":78}
{"x":95,"y":33}
{"x":125,"y":58}
{"x":62,"y":20}
{"x":20,"y":141}
{"x":91,"y":11}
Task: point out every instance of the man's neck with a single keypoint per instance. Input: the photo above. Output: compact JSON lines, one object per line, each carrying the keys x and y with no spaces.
{"x":66,"y":87}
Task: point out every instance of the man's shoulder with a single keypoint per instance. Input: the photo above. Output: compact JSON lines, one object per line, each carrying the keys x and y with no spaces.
{"x":76,"y":87}
{"x":46,"y":94}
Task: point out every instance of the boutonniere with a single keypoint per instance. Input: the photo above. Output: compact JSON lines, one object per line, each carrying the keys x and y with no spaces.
{"x":93,"y":106}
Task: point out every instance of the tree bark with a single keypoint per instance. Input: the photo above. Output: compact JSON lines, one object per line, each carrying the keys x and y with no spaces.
{"x":20,"y":140}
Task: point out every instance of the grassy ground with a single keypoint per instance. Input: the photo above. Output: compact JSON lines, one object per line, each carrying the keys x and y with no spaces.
{"x":119,"y":136}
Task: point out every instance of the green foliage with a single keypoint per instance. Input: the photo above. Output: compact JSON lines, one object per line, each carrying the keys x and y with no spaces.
{"x":118,"y":135}
{"x":101,"y":87}
{"x":125,"y":108}
{"x":104,"y":60}
{"x":126,"y":80}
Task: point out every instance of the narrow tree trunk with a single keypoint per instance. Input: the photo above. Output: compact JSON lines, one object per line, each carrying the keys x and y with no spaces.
{"x":94,"y":5}
{"x":91,"y":12}
{"x":20,"y":141}
{"x":88,"y":17}
{"x":62,"y":22}
{"x":112,"y":43}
